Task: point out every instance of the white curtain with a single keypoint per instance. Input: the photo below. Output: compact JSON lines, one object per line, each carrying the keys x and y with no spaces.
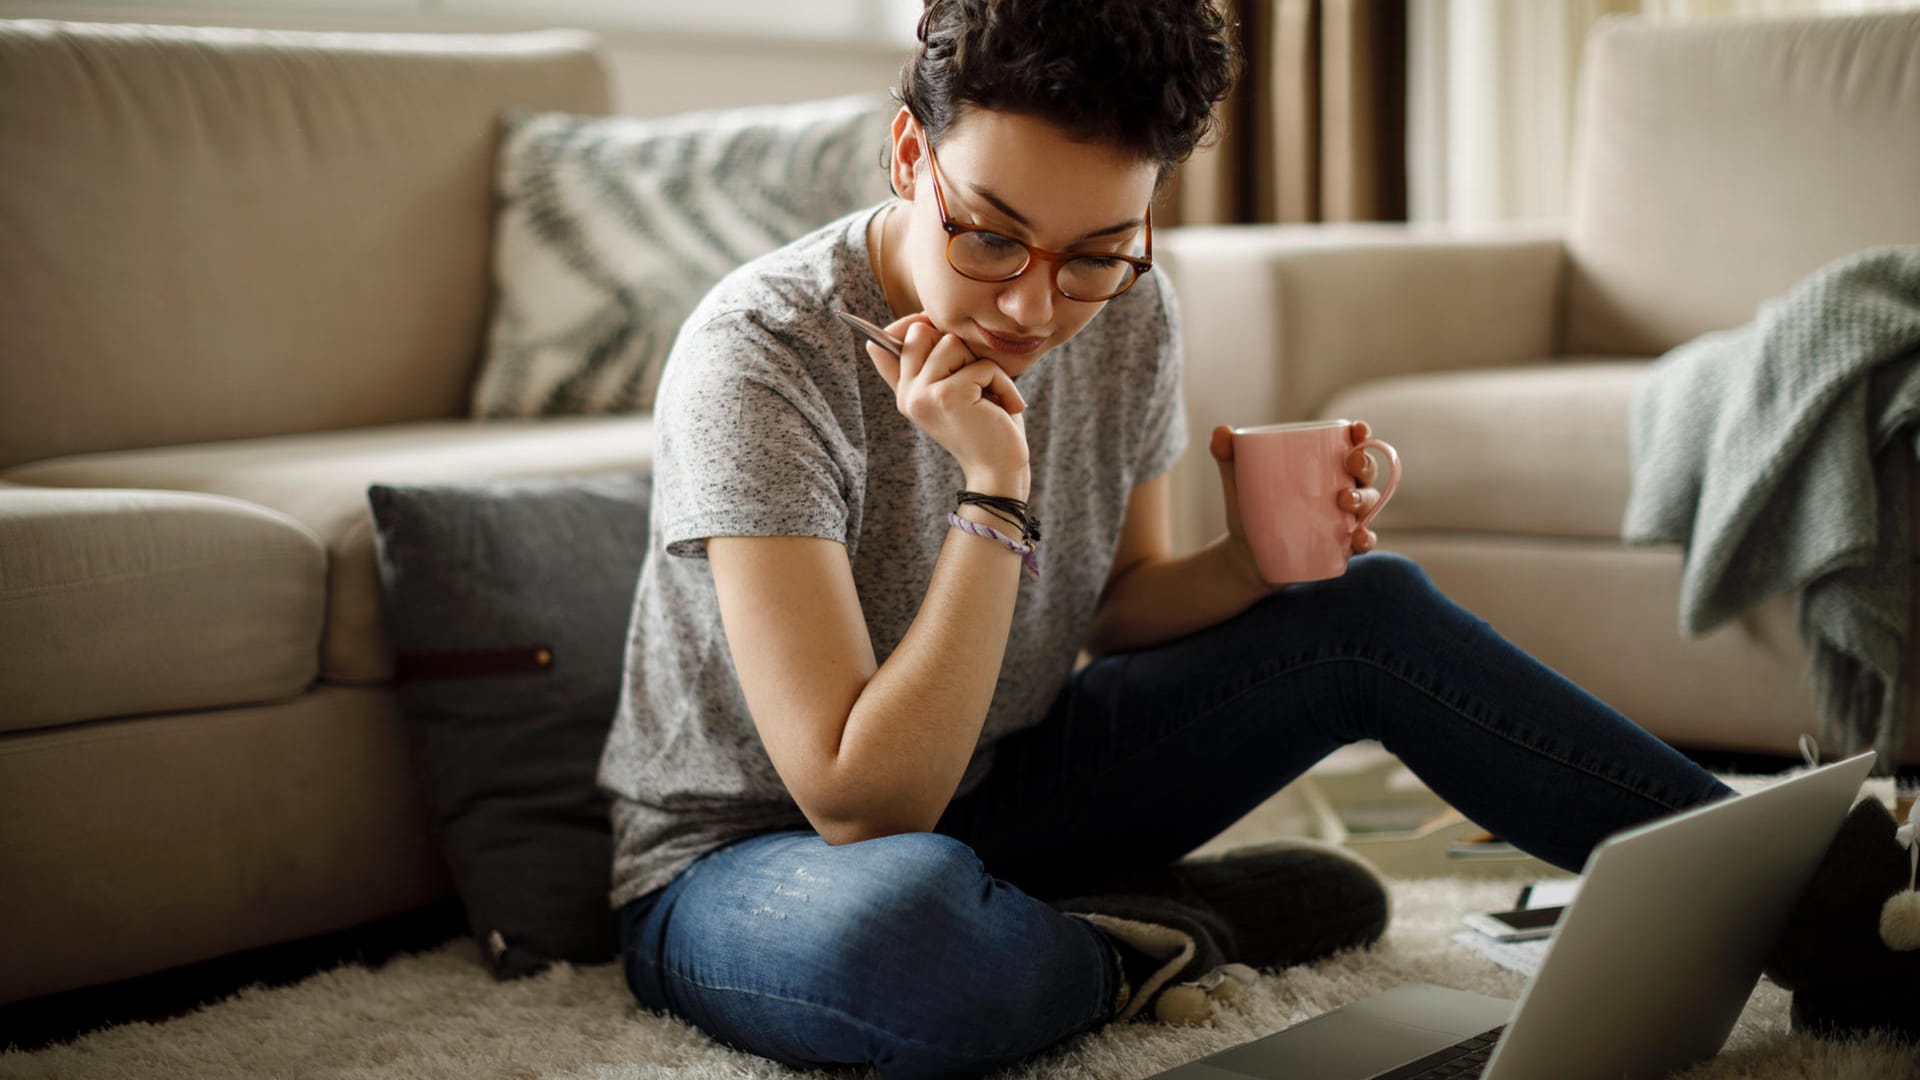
{"x":1490,"y":87}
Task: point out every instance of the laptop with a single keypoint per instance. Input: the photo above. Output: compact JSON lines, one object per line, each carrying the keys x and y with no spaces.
{"x":1649,"y":971}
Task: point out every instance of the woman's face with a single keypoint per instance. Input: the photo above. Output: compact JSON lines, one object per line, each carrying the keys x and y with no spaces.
{"x":1024,"y":178}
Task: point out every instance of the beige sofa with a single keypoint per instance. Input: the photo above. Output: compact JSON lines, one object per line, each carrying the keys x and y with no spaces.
{"x":1715,"y":164}
{"x":242,"y":276}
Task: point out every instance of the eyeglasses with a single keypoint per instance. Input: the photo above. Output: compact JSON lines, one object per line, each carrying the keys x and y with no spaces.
{"x":985,"y":255}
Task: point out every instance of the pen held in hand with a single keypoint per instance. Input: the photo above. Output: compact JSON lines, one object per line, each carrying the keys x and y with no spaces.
{"x":871,"y":332}
{"x":892,"y":344}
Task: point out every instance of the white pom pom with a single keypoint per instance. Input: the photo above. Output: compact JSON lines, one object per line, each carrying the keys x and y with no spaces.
{"x":1184,"y":1004}
{"x":1241,"y":974}
{"x":1900,"y":921}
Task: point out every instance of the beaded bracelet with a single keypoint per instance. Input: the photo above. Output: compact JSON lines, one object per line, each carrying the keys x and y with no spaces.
{"x":1029,"y":560}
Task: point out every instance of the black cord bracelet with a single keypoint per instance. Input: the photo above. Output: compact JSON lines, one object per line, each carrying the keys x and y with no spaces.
{"x":1014,"y":512}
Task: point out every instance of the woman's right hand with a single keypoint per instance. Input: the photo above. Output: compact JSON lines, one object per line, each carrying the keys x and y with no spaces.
{"x":967,"y":405}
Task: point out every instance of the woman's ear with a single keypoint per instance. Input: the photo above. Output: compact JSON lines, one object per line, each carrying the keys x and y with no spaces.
{"x":903,"y":165}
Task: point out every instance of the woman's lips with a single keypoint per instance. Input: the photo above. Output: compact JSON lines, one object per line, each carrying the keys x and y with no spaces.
{"x":1013,"y":346}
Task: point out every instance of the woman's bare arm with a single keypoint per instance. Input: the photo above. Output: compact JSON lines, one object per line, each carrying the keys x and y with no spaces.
{"x":865,"y":749}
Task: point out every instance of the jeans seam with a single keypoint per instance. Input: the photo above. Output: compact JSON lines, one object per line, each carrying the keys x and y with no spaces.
{"x":1404,"y":679}
{"x":1477,"y":722}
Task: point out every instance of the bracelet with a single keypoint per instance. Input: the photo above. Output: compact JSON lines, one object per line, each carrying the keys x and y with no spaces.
{"x":1014,"y":512}
{"x":1029,"y":560}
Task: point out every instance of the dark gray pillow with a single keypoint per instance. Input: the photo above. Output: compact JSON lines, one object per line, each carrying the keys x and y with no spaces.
{"x":506,"y":605}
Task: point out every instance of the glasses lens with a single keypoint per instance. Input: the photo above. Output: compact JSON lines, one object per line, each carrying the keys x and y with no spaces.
{"x":1092,"y":278}
{"x":987,"y":256}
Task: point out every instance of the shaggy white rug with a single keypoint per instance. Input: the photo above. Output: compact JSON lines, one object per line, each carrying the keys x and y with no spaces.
{"x":438,"y":1016}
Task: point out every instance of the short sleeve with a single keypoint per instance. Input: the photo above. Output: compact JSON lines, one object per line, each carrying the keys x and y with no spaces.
{"x":748,"y":446}
{"x":1164,"y":432}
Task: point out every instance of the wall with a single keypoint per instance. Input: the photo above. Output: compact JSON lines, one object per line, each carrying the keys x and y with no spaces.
{"x":655,"y":72}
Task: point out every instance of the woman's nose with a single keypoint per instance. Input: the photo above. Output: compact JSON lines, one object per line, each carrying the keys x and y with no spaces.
{"x":1028,"y":299}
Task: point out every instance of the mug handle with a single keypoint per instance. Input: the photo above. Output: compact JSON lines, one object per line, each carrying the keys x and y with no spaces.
{"x":1393,"y":478}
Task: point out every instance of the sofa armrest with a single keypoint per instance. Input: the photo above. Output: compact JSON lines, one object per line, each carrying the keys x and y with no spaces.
{"x":1278,"y":319}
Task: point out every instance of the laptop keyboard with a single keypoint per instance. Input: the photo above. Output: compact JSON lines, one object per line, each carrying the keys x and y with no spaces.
{"x":1466,"y":1058}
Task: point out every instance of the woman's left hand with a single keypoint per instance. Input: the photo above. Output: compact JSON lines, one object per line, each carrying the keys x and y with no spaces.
{"x":1362,"y":498}
{"x":1356,"y":500}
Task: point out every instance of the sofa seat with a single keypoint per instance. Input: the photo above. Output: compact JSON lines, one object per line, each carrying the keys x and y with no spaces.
{"x":320,"y":481}
{"x":1525,"y":451}
{"x":1536,"y":451}
{"x":118,"y":602}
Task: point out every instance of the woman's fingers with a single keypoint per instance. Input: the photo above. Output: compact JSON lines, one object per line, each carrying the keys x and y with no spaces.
{"x":967,"y":405}
{"x":1359,"y":500}
{"x":920,"y":338}
{"x":999,"y":387}
{"x":948,"y":355}
{"x":887,"y":364}
{"x":1360,"y":466}
{"x":1220,"y":445}
{"x":980,"y":380}
{"x":898,"y":327}
{"x":1359,"y":463}
{"x":929,"y":358}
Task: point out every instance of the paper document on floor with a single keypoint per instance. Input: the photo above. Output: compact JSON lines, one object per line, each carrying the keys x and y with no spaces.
{"x":1521,"y":956}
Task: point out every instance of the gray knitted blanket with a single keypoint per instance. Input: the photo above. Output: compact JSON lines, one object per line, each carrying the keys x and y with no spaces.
{"x":1773,"y":453}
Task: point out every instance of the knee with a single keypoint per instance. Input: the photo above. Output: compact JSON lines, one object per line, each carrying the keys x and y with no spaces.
{"x":910,"y":875}
{"x":857,"y":910}
{"x":1390,"y":584}
{"x":1390,"y":573}
{"x":928,"y":899}
{"x":897,"y":895}
{"x":1379,"y":581}
{"x":1381,"y":593}
{"x":930,"y":928}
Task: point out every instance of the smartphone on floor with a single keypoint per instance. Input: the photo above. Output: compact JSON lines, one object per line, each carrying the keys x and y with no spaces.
{"x":1524,"y":924}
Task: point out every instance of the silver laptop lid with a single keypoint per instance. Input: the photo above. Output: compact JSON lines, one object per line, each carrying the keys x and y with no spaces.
{"x":1654,"y":961}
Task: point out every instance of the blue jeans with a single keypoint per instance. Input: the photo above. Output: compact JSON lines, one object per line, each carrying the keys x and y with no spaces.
{"x":929,"y":954}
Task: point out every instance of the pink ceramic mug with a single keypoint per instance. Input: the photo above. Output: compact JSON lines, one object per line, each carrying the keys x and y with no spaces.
{"x":1289,"y":478}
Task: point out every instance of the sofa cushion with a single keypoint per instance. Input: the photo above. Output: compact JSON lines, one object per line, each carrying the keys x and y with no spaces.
{"x":118,"y":602}
{"x":221,"y":234}
{"x":611,"y":229}
{"x":1530,"y":451}
{"x":507,"y":605}
{"x":1719,"y":162}
{"x":321,"y":481}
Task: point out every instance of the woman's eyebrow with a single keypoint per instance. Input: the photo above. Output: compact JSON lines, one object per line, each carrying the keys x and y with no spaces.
{"x":1001,"y":205}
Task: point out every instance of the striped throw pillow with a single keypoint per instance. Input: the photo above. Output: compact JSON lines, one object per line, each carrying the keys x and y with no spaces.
{"x":609,"y":230}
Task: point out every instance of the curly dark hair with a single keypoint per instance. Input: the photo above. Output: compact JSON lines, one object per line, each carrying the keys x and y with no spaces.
{"x":1139,"y":75}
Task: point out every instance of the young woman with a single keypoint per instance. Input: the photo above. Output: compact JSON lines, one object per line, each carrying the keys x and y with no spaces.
{"x":856,"y":758}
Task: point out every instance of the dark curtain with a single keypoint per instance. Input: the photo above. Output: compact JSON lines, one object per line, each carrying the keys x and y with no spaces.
{"x":1316,"y":129}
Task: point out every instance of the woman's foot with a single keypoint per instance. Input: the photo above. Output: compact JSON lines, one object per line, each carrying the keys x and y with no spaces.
{"x":1168,"y":956}
{"x":1279,"y":904}
{"x":1835,"y":954}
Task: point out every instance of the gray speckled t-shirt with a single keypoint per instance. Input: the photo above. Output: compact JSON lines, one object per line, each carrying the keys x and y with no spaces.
{"x":771,"y":421}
